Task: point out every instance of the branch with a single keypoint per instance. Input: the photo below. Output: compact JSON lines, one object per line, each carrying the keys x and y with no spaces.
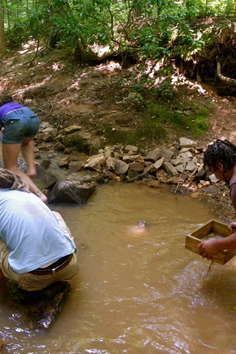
{"x":223,"y":78}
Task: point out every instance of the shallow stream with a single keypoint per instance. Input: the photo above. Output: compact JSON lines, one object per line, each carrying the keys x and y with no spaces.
{"x":136,"y":292}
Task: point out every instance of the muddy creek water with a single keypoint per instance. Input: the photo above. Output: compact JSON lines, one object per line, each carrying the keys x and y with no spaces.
{"x":136,"y":292}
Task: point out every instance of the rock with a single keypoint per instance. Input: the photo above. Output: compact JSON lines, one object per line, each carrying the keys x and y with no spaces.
{"x":108,"y":152}
{"x":167,"y":153}
{"x":41,"y":307}
{"x":71,"y":192}
{"x":182,"y":150}
{"x":96,"y":162}
{"x":44,"y":125}
{"x":48,"y":174}
{"x":136,"y":166}
{"x":180,"y":168}
{"x":111,"y":163}
{"x":186,"y":143}
{"x":131,"y":148}
{"x":121,"y":167}
{"x":158,"y":163}
{"x":59,"y":146}
{"x":170,"y":169}
{"x":153,"y":155}
{"x":210,"y":189}
{"x":213,"y":178}
{"x":71,"y":129}
{"x":75,"y":166}
{"x":191,"y":166}
{"x":109,"y":175}
{"x":187,"y":155}
{"x":48,"y":130}
{"x":203,"y":183}
{"x":63,"y":162}
{"x":131,"y":158}
{"x":138,"y":176}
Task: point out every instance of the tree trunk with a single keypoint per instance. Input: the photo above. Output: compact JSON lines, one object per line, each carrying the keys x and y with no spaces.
{"x":2,"y":34}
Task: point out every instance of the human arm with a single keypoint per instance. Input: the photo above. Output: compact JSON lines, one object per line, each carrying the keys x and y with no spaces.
{"x":209,"y":248}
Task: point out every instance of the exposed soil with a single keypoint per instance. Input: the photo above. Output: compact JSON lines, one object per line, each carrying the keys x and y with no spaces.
{"x":63,"y":94}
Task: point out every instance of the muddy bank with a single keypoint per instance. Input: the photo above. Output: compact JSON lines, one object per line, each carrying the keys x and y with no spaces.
{"x":177,"y":166}
{"x":80,"y":107}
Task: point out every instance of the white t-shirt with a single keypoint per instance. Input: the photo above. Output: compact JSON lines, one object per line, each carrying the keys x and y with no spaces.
{"x":30,"y":231}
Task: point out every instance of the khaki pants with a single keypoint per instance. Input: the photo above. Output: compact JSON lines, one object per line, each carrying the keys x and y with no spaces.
{"x":33,"y":282}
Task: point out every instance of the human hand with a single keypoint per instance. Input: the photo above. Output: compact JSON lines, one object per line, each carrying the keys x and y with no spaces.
{"x":209,"y":248}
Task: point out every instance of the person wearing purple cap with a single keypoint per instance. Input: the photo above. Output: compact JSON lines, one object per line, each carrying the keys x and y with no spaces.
{"x":19,"y":126}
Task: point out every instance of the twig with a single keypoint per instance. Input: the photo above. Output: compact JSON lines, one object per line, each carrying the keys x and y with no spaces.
{"x":210,"y":266}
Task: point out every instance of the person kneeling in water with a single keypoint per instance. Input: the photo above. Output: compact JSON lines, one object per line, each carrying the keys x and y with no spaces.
{"x":220,"y":159}
{"x":36,"y":247}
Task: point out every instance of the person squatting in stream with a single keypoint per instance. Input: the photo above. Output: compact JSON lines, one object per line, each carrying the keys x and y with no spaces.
{"x":220,"y":159}
{"x":36,"y":246}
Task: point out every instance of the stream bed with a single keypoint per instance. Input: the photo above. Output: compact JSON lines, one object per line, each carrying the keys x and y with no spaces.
{"x":136,"y":292}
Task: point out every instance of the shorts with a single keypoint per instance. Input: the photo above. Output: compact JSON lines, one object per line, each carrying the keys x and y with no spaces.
{"x":18,"y":125}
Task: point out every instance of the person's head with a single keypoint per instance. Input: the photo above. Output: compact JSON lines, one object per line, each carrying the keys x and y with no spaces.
{"x":220,"y":158}
{"x":5,"y":98}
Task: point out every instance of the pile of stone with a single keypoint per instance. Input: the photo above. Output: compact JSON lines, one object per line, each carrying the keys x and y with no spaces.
{"x":178,"y":164}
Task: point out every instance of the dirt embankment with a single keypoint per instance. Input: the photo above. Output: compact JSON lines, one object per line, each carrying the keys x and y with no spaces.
{"x":99,"y":103}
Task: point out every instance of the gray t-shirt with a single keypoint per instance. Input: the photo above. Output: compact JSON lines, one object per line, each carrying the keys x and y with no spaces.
{"x":30,"y":231}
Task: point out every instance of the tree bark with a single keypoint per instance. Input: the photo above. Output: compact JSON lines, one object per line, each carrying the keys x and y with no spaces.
{"x":2,"y":34}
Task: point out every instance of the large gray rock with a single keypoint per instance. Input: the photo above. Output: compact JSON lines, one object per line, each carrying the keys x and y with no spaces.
{"x":154,"y":155}
{"x":170,"y":169}
{"x":158,"y":163}
{"x":121,"y":167}
{"x":71,"y":192}
{"x":186,"y":143}
{"x":48,"y":174}
{"x":167,"y":153}
{"x":96,"y":162}
{"x":42,"y":307}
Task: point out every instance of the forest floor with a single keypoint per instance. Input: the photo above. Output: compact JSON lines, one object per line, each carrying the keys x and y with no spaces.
{"x":98,"y":99}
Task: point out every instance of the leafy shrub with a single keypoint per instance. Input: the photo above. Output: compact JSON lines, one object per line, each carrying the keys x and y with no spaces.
{"x":18,"y":34}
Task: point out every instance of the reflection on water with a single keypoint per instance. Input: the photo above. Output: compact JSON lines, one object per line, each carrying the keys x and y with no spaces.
{"x":136,"y":292}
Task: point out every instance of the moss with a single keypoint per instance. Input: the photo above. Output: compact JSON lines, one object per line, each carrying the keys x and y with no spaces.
{"x":147,"y":130}
{"x":118,"y":136}
{"x":182,"y":116}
